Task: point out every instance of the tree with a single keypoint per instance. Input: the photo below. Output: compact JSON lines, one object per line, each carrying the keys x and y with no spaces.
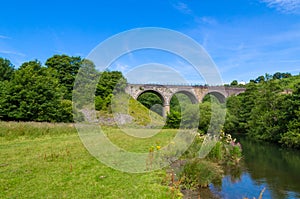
{"x":233,"y":116}
{"x":67,"y":68}
{"x":173,"y":120}
{"x":291,"y":137}
{"x":6,"y":69}
{"x":34,"y":94}
{"x":83,"y":94}
{"x":110,"y":83}
{"x":234,"y":83}
{"x":277,"y":75}
{"x":265,"y":118}
{"x":268,"y":77}
{"x":286,"y":75}
{"x":260,"y":79}
{"x":190,"y":116}
{"x":149,"y":100}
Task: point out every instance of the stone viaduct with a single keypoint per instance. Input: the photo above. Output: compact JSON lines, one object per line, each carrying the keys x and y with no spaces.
{"x":195,"y":93}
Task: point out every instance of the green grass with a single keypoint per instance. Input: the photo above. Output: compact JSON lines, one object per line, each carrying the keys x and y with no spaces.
{"x":41,"y":160}
{"x":141,"y":115}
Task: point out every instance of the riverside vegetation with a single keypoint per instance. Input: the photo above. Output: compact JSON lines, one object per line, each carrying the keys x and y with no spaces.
{"x":51,"y":158}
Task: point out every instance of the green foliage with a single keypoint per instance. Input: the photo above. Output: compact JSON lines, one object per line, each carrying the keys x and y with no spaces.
{"x":110,"y":82}
{"x":193,"y":150}
{"x":190,"y":116}
{"x":173,"y":120}
{"x":123,"y":103}
{"x":260,"y":79}
{"x":179,"y":101}
{"x":266,"y":115}
{"x":6,"y":69}
{"x":234,"y":83}
{"x":197,"y":115}
{"x":34,"y":94}
{"x":279,"y":75}
{"x":292,"y":117}
{"x":226,"y":150}
{"x":151,"y":100}
{"x":67,"y":68}
{"x":209,"y":121}
{"x":85,"y":85}
{"x":198,"y":173}
{"x":211,"y":99}
{"x":265,"y":111}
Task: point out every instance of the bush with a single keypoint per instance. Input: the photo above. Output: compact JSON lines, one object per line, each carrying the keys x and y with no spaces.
{"x":173,"y":120}
{"x":291,"y":139}
{"x":226,"y":150}
{"x":199,"y":173}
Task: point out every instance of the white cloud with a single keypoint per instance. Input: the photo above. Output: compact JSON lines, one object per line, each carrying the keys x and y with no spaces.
{"x":206,"y":20}
{"x":182,"y":7}
{"x":284,"y":6}
{"x":4,"y":37}
{"x":12,"y":53}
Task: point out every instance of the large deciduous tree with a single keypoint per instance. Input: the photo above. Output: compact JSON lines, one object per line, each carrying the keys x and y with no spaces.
{"x":67,"y":68}
{"x":6,"y":69}
{"x":34,"y":94}
{"x":110,"y":82}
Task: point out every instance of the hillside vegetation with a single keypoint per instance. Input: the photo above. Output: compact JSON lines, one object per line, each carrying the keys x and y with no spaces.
{"x":269,"y":110}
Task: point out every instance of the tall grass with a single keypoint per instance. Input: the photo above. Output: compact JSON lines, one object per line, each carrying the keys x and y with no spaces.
{"x":13,"y":130}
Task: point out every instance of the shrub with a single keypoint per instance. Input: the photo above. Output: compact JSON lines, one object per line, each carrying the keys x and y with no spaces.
{"x":200,"y":173}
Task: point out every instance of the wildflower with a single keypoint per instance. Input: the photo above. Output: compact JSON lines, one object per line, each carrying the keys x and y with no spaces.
{"x":158,"y":147}
{"x":239,"y":145}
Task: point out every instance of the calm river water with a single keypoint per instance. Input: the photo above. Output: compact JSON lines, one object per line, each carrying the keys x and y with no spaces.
{"x":264,"y":166}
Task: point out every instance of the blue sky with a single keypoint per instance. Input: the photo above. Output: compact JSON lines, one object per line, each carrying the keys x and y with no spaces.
{"x":245,"y":38}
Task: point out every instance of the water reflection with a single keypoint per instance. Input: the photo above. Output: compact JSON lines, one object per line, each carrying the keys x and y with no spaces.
{"x":264,"y":165}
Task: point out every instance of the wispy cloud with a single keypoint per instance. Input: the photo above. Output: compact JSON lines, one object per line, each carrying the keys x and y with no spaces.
{"x":12,"y":53}
{"x":4,"y":37}
{"x":284,"y":6}
{"x":206,"y":20}
{"x":198,"y":19}
{"x":182,"y":7}
{"x":237,"y":53}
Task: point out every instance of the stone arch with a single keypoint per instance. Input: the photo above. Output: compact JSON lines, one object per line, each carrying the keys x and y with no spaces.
{"x":160,"y":95}
{"x":189,"y":94}
{"x":154,"y":92}
{"x":220,"y":96}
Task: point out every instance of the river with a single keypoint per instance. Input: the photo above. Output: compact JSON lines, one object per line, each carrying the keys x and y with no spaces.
{"x":264,"y":166}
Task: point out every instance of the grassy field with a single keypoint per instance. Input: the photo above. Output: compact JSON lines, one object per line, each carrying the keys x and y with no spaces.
{"x":42,"y":160}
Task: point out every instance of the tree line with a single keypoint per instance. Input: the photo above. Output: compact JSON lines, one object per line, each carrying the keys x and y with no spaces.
{"x":43,"y":93}
{"x":268,"y":110}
